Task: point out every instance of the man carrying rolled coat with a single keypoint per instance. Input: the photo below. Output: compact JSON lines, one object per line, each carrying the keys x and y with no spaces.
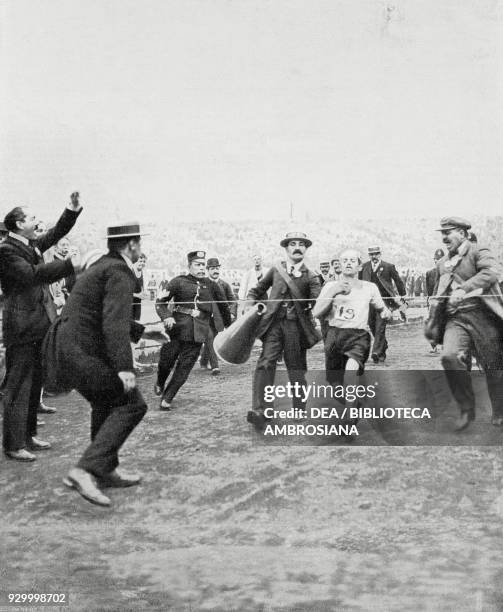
{"x":288,"y":326}
{"x":474,"y":323}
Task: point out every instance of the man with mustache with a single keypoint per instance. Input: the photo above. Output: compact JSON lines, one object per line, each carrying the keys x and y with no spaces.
{"x":186,"y":312}
{"x":344,"y":304}
{"x":287,"y":327}
{"x":389,"y":283}
{"x":28,"y":313}
{"x":473,"y":323}
{"x":216,"y":323}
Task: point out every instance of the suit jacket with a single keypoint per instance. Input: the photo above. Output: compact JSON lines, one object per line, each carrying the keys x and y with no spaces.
{"x":90,"y":343}
{"x":309,"y":287}
{"x":390,"y":284}
{"x":183,"y":291}
{"x":217,"y":321}
{"x":477,"y":269}
{"x":28,"y":307}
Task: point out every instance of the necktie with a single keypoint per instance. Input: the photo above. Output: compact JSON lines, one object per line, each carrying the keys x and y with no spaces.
{"x":292,"y":268}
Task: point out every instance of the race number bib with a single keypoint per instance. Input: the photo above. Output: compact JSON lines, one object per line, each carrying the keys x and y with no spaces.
{"x":343,"y":312}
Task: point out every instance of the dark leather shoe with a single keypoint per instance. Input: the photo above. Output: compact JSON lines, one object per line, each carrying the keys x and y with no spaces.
{"x":36,"y":444}
{"x":120,"y":479}
{"x":375,"y":358}
{"x":497,"y":421}
{"x":44,"y":409}
{"x":257,"y":418}
{"x":464,"y":420}
{"x":215,"y":371}
{"x":165,"y":405}
{"x":84,"y":483}
{"x":21,"y":455}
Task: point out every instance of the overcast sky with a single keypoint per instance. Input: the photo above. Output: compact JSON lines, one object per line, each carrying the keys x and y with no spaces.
{"x":227,"y":109}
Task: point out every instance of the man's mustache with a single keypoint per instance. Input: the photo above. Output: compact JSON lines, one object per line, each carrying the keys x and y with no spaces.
{"x":297,"y":252}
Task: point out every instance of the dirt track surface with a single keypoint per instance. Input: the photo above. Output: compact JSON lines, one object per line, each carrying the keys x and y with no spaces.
{"x":222,"y":522}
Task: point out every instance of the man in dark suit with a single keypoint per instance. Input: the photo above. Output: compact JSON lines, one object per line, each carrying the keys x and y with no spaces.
{"x":187,"y":321}
{"x":92,"y":353}
{"x":216,"y":324}
{"x":474,"y":323}
{"x":28,"y":313}
{"x":287,"y":327}
{"x":389,"y":283}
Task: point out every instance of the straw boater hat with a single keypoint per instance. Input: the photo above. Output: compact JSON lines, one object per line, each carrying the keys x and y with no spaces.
{"x":126,"y":230}
{"x":296,"y":236}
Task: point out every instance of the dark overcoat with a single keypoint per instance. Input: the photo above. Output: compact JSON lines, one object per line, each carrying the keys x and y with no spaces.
{"x":90,"y":343}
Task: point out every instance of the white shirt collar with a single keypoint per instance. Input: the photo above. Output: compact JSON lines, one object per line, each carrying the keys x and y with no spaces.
{"x":294,"y":266}
{"x":20,"y":238}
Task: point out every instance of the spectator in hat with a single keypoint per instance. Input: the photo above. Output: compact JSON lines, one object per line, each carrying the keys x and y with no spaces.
{"x":208,"y":356}
{"x":324,"y":274}
{"x":468,"y":274}
{"x":91,"y":352}
{"x":392,"y":290}
{"x":287,"y":327}
{"x":186,"y":310}
{"x":28,"y":313}
{"x":336,"y":271}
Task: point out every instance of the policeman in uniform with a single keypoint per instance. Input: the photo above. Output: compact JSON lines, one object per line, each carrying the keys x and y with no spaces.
{"x":187,"y":320}
{"x":432,"y":275}
{"x":431,"y":280}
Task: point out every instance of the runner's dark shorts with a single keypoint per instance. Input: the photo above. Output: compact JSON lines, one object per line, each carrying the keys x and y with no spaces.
{"x":342,"y":344}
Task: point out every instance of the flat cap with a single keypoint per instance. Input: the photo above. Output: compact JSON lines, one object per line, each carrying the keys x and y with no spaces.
{"x":448,"y":223}
{"x":374,"y":249}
